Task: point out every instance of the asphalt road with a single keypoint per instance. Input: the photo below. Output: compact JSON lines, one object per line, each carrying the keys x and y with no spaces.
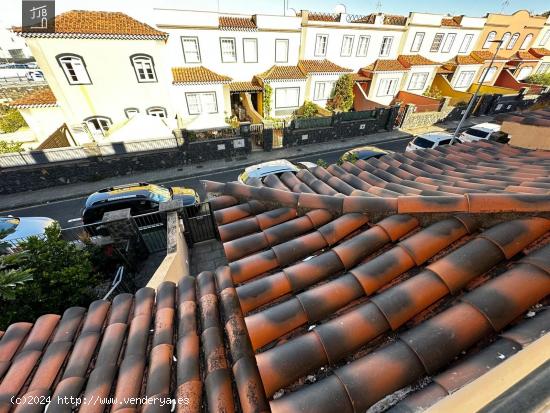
{"x":67,"y":212}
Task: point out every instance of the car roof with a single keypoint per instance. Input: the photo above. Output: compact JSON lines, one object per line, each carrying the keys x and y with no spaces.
{"x":486,"y":127}
{"x":270,"y":167}
{"x":140,"y":190}
{"x":367,"y":149}
{"x":435,"y":136}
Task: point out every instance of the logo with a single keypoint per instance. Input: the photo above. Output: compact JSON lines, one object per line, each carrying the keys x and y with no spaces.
{"x":38,"y":16}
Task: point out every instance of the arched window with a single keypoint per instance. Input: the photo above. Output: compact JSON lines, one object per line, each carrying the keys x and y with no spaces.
{"x":98,"y":125}
{"x":505,"y":39}
{"x":157,"y":111}
{"x":144,"y":68}
{"x":74,"y":68}
{"x":513,"y":41}
{"x":490,"y":37}
{"x":130,"y":112}
{"x":526,"y":42}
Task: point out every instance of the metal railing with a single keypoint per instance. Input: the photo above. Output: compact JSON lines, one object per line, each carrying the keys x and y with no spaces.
{"x":119,"y":148}
{"x":152,"y":228}
{"x":359,"y":18}
{"x":119,"y":276}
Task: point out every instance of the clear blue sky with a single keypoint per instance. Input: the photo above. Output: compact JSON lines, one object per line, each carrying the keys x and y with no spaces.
{"x":10,"y":10}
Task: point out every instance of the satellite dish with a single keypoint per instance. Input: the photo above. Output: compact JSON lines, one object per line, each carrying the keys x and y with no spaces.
{"x":340,"y":8}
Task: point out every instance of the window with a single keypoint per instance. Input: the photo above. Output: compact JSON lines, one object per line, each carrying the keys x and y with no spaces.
{"x":130,"y":112}
{"x":74,"y":68}
{"x":505,"y":39}
{"x":281,"y":50}
{"x":436,"y":44}
{"x":323,"y":90}
{"x":418,"y":81}
{"x":363,"y":45}
{"x":16,"y":53}
{"x":157,"y":111}
{"x":448,"y":43}
{"x":417,"y":42}
{"x":490,"y":37}
{"x":144,"y":68}
{"x":386,"y":46}
{"x":191,"y":50}
{"x":526,"y":42}
{"x":524,"y":72}
{"x":204,"y":102}
{"x":387,"y":87}
{"x":229,"y":52}
{"x":465,"y":78}
{"x":321,"y":43}
{"x":466,"y":43}
{"x":545,"y":38}
{"x":98,"y":125}
{"x":543,"y":68}
{"x":488,"y":73}
{"x":250,"y":50}
{"x":347,"y":46}
{"x":513,"y":41}
{"x":287,"y":97}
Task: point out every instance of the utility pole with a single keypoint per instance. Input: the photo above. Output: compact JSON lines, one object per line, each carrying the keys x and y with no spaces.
{"x":474,"y":98}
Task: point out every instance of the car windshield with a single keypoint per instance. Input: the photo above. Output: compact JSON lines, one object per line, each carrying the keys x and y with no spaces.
{"x":159,"y":194}
{"x":477,"y":133}
{"x":422,"y":142}
{"x":8,"y":226}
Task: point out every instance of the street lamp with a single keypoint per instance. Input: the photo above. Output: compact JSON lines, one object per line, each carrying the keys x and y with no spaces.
{"x":474,"y":98}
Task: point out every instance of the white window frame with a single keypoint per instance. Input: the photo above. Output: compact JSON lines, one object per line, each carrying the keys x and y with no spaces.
{"x":465,"y":45}
{"x":418,"y":81}
{"x":157,"y":111}
{"x":465,"y":78}
{"x":513,"y":41}
{"x":323,"y":90}
{"x":201,"y":106}
{"x":278,"y":99}
{"x":228,"y":56}
{"x":437,"y":42}
{"x":490,"y":37}
{"x":448,"y":43}
{"x":131,"y":112}
{"x":98,"y":125}
{"x":544,"y":39}
{"x":520,"y":77}
{"x":505,"y":40}
{"x":387,"y":86}
{"x":490,"y":75}
{"x":526,"y":41}
{"x":144,"y":68}
{"x":363,"y":46}
{"x":543,"y":68}
{"x":191,"y":56}
{"x":287,"y":45}
{"x":321,"y":45}
{"x":417,"y":42}
{"x":385,"y":46}
{"x":349,"y":51}
{"x":74,"y":68}
{"x":246,"y":56}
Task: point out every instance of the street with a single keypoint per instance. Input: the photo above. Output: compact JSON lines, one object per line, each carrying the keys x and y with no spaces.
{"x":67,"y":212}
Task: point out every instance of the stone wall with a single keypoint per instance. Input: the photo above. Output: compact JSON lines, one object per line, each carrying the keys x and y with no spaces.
{"x":213,"y":149}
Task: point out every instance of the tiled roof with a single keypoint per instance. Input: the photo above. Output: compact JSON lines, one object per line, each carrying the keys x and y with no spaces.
{"x":485,"y":55}
{"x":415,"y":60}
{"x":40,"y":98}
{"x":324,"y":17}
{"x":320,"y":66}
{"x":540,"y":117}
{"x":451,"y":22}
{"x":539,"y":51}
{"x":464,"y":60}
{"x":369,"y":19}
{"x":237,"y":23}
{"x":395,"y":20}
{"x":244,"y":86}
{"x":282,"y":73}
{"x":385,"y":65}
{"x":358,"y":77}
{"x":85,"y":24}
{"x":199,"y":74}
{"x":519,"y":55}
{"x":344,"y":285}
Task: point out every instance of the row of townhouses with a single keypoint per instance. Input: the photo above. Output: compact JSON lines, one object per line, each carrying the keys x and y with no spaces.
{"x":196,"y":69}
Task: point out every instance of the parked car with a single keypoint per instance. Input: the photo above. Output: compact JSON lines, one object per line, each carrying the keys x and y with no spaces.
{"x":479,"y":132}
{"x":35,"y":75}
{"x":276,"y":167}
{"x":13,"y":230}
{"x":430,"y":140}
{"x":141,"y":198}
{"x":364,"y":153}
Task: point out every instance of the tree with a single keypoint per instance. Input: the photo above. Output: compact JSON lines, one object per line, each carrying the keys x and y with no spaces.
{"x":342,"y":101}
{"x":539,"y":79}
{"x":11,"y":120}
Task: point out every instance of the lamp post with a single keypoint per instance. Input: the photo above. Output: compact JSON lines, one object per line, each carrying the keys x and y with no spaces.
{"x":474,"y":98}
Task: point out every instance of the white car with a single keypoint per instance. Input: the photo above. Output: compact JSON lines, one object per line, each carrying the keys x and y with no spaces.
{"x":479,"y":132}
{"x":278,"y":167}
{"x":13,"y":230}
{"x":430,"y":140}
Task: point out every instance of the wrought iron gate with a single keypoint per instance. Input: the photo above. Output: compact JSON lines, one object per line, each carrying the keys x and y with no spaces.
{"x":199,"y":223}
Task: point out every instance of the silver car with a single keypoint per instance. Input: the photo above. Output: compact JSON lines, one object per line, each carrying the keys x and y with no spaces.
{"x":13,"y":230}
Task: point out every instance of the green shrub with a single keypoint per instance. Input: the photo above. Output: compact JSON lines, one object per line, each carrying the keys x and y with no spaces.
{"x":309,"y":110}
{"x":342,"y":101}
{"x":322,"y":163}
{"x":433,"y":93}
{"x":348,"y":157}
{"x":11,"y":120}
{"x":267,"y":100}
{"x":9,"y":147}
{"x":539,"y":79}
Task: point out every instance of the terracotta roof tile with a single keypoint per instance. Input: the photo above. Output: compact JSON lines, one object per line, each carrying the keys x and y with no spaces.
{"x":539,"y":51}
{"x":395,"y":20}
{"x":324,"y":17}
{"x":368,"y":19}
{"x":194,"y":75}
{"x":282,"y":72}
{"x":237,"y":23}
{"x":451,"y":22}
{"x":485,"y":55}
{"x":464,"y":60}
{"x":415,"y":60}
{"x":384,"y":65}
{"x":519,"y":55}
{"x":85,"y":24}
{"x":320,"y":66}
{"x":39,"y":98}
{"x":244,"y":86}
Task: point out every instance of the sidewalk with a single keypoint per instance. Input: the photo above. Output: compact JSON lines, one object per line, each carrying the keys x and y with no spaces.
{"x":64,"y":192}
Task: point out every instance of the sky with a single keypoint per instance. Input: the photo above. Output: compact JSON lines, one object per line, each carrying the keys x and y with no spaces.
{"x":10,"y":10}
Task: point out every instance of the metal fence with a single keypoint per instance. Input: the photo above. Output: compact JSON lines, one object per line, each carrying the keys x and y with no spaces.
{"x":198,"y":223}
{"x":361,"y":115}
{"x":152,"y":228}
{"x":311,"y":123}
